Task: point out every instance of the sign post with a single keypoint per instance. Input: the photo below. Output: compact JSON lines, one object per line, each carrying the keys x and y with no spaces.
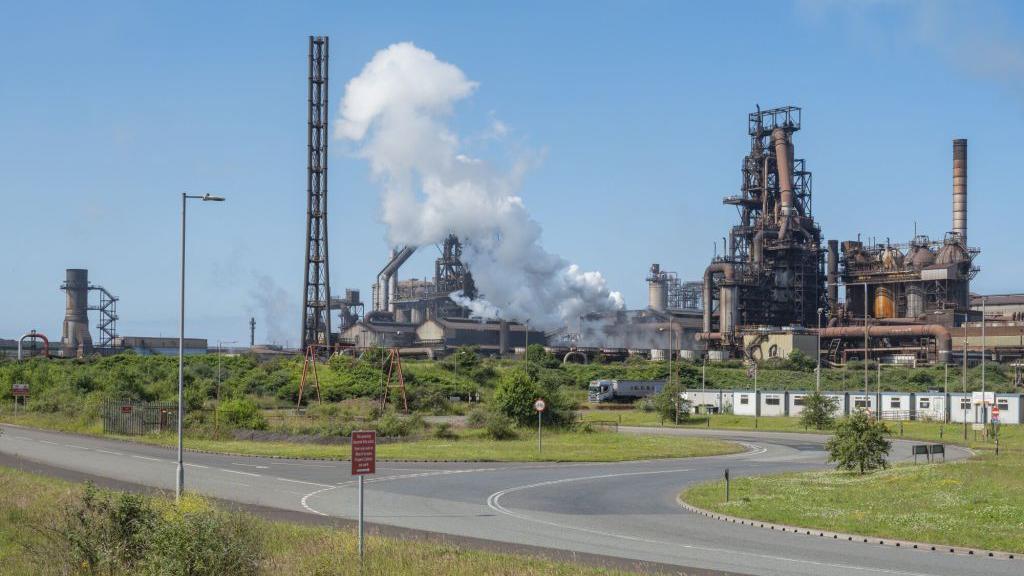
{"x":726,"y":484}
{"x":539,"y":406}
{"x":995,"y":426}
{"x":364,"y":461}
{"x":19,"y":391}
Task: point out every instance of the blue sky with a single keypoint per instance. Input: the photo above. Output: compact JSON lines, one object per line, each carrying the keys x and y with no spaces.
{"x":635,"y":114}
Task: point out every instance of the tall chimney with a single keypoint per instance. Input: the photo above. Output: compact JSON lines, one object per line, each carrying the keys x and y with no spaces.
{"x":960,"y":188}
{"x":75,"y":337}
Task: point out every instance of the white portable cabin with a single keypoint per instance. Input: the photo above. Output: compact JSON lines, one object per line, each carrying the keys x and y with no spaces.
{"x":896,"y":405}
{"x":773,"y":403}
{"x":715,"y":401}
{"x":1009,"y":408}
{"x":743,"y":403}
{"x":961,"y":408}
{"x":796,"y":402}
{"x":930,"y":406}
{"x":858,"y":401}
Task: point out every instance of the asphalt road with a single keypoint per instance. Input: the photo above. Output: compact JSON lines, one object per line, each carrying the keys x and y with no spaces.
{"x":626,"y":510}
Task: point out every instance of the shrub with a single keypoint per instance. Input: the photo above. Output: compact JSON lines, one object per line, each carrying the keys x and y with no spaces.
{"x":643,"y":405}
{"x":194,"y":538}
{"x":500,"y":427}
{"x":515,"y":395}
{"x":477,"y":417}
{"x":859,"y":444}
{"x":392,"y":425}
{"x":819,"y":411}
{"x":669,"y":405}
{"x":241,"y":413}
{"x":444,"y":431}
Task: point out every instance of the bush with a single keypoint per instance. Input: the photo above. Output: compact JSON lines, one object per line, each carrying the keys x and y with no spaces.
{"x":819,"y":411}
{"x":241,"y":413}
{"x":443,"y":431}
{"x":196,"y":539}
{"x":394,"y":426}
{"x":477,"y":417}
{"x":515,"y":395}
{"x":669,"y":405}
{"x":643,"y":405}
{"x":859,"y":444}
{"x":500,"y":427}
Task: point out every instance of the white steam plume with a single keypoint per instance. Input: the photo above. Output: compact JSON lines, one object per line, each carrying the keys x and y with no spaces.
{"x":396,"y":108}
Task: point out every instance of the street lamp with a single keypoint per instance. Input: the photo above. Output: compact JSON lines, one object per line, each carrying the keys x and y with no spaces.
{"x":179,"y":482}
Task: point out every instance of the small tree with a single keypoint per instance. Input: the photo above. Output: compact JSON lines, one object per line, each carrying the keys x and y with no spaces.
{"x":515,"y":394}
{"x":819,"y":411}
{"x":860,"y":443}
{"x":668,"y":402}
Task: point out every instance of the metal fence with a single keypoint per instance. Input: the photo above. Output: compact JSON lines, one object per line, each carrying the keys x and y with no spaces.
{"x":133,"y":418}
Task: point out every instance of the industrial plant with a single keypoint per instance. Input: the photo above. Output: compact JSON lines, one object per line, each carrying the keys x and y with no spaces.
{"x":778,"y":284}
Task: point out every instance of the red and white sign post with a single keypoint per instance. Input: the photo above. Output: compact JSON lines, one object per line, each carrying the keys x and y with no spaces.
{"x":364,"y":461}
{"x":539,"y":406}
{"x":19,"y":391}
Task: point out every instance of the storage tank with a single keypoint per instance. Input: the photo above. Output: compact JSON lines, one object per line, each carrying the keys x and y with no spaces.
{"x":915,"y":301}
{"x":657,"y":291}
{"x":885,"y":303}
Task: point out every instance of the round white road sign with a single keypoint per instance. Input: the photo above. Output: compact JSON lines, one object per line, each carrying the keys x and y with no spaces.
{"x":539,"y":405}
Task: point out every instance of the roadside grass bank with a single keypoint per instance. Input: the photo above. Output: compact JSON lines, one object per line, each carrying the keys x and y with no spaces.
{"x":464,"y":444}
{"x":977,"y":503}
{"x":1011,"y":437}
{"x":32,"y":503}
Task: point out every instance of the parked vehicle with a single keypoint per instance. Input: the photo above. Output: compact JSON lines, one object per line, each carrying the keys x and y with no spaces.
{"x":611,"y":390}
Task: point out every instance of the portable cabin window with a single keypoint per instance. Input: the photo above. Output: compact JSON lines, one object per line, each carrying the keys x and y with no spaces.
{"x":965,"y":403}
{"x":925,"y":403}
{"x":860,"y":403}
{"x":799,"y":401}
{"x":772,"y":400}
{"x":1003,"y":404}
{"x":894,"y":403}
{"x":744,"y":399}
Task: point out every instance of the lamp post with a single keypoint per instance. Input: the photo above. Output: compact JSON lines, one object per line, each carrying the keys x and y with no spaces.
{"x":179,"y":481}
{"x":817,"y":376}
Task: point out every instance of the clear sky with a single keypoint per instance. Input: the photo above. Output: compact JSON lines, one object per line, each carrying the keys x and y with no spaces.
{"x":635,"y":114}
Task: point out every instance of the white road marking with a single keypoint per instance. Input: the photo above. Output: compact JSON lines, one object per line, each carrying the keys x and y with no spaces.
{"x":77,"y":446}
{"x":238,"y":472}
{"x":145,"y":458}
{"x":307,"y":465}
{"x":23,"y":437}
{"x":304,"y":482}
{"x":109,"y":452}
{"x":250,"y":465}
{"x":305,"y":499}
{"x":494,"y":504}
{"x":195,"y":465}
{"x":49,"y":442}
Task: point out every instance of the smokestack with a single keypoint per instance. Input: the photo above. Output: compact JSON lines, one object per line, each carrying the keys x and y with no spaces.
{"x":657,"y":295}
{"x":833,"y":277}
{"x":784,"y":165}
{"x":252,"y":332}
{"x":960,"y":189}
{"x":75,"y":338}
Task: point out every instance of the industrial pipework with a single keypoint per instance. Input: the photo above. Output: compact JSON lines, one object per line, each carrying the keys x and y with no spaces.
{"x":784,"y":164}
{"x":387,"y":279}
{"x":35,"y":336}
{"x":943,"y":339}
{"x":727,"y":300}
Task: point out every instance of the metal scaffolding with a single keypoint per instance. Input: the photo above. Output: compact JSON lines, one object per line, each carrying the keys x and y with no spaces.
{"x":107,"y":324}
{"x":316,"y":293}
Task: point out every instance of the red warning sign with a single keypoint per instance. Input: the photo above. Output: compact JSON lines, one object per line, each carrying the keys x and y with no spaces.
{"x":364,"y":452}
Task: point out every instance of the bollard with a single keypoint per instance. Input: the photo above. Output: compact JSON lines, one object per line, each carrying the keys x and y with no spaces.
{"x":726,"y":484}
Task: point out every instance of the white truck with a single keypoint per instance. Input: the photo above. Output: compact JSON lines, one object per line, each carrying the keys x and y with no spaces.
{"x":609,"y":390}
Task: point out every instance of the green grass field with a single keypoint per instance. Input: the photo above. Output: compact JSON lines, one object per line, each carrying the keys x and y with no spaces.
{"x":291,"y":549}
{"x":976,"y":503}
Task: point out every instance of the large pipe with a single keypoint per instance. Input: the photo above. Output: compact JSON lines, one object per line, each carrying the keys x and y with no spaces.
{"x":833,"y":277}
{"x":724,"y":304}
{"x":35,"y":335}
{"x":75,"y":336}
{"x":960,"y":188}
{"x":784,"y":165}
{"x":943,"y":340}
{"x":384,"y":277}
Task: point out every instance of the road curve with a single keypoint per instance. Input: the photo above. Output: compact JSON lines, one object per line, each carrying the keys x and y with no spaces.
{"x":626,"y":510}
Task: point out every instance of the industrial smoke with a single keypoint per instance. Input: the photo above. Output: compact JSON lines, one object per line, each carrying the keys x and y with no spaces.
{"x":397,"y":111}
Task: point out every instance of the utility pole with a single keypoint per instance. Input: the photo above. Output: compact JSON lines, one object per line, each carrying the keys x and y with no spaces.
{"x":962,"y":400}
{"x":984,"y":403}
{"x":866,"y":353}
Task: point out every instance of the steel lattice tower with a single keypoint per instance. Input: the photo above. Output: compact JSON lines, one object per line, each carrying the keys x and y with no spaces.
{"x":316,"y":294}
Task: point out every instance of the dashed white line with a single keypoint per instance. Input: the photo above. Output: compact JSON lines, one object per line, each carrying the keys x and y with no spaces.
{"x":49,"y":442}
{"x":195,"y":465}
{"x":109,"y":452}
{"x":145,"y":458}
{"x":77,"y":446}
{"x":304,"y":482}
{"x":237,"y":472}
{"x":250,"y":465}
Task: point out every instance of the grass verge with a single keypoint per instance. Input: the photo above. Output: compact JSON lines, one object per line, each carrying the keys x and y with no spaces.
{"x":470,"y":445}
{"x":976,"y":503}
{"x":290,"y":549}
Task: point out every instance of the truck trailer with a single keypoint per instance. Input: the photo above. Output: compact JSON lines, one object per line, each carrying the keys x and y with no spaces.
{"x":611,"y":390}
